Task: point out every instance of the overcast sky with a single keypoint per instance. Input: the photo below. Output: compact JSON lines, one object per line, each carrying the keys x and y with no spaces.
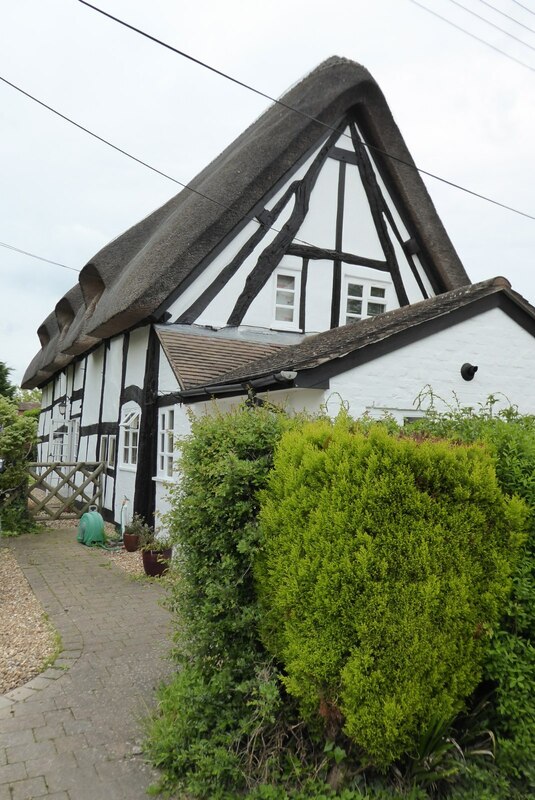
{"x":465,"y":111}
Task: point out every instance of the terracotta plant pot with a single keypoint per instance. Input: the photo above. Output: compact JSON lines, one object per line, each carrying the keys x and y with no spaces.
{"x":131,"y":541}
{"x":156,"y":562}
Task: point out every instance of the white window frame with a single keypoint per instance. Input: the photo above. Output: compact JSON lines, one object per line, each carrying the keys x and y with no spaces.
{"x":108,"y":450}
{"x":166,"y":442}
{"x":367,"y":284}
{"x":58,"y":440}
{"x":129,"y":438}
{"x":63,"y":444}
{"x":287,"y":272}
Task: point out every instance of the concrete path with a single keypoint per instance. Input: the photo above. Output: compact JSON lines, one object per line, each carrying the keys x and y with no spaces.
{"x":78,"y":736}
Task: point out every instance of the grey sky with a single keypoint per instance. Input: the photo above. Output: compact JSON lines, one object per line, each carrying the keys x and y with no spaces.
{"x":466,"y":113}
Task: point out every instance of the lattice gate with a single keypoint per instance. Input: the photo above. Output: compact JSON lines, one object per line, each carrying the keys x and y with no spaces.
{"x":64,"y":489}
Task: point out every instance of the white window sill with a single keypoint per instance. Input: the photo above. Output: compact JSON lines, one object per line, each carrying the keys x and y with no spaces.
{"x":164,"y":479}
{"x":128,"y":467}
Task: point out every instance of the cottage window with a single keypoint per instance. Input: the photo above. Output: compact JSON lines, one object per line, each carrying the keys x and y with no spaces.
{"x":287,"y":289}
{"x":107,"y":450}
{"x":63,"y":440}
{"x":166,"y":436}
{"x":130,"y":444}
{"x":363,"y":299}
{"x":59,"y":441}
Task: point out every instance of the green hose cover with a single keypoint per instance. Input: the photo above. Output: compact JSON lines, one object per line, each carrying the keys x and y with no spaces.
{"x":91,"y":529}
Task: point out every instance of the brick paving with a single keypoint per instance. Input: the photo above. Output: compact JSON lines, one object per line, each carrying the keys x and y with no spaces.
{"x":75,"y":732}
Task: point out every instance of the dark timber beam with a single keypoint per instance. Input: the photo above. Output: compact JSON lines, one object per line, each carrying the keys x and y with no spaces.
{"x":376,"y":201}
{"x":266,"y":220}
{"x":337,"y":266}
{"x":272,"y":255}
{"x":323,"y":254}
{"x":145,"y":491}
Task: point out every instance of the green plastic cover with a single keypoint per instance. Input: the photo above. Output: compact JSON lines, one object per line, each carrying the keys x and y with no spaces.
{"x":91,"y":529}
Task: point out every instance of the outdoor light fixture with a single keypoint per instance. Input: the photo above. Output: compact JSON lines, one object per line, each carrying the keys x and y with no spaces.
{"x":62,"y":407}
{"x":468,"y":371}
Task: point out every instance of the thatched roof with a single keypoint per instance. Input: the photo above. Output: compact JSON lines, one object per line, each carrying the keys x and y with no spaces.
{"x":131,"y":278}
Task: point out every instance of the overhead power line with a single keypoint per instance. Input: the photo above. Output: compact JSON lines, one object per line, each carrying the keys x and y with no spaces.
{"x":39,"y":258}
{"x":472,"y":35}
{"x":96,"y":136}
{"x":492,"y":24}
{"x":507,"y":16}
{"x":529,"y":10}
{"x":303,"y":113}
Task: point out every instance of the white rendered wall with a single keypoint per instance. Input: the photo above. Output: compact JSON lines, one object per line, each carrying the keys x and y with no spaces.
{"x":93,"y":386}
{"x":218,"y":311}
{"x":319,"y":225}
{"x":167,"y":382}
{"x":112,"y":383}
{"x":79,"y":371}
{"x":318,"y":296}
{"x":503,"y":351}
{"x":207,"y":277}
{"x":137,"y":353}
{"x":359,"y":235}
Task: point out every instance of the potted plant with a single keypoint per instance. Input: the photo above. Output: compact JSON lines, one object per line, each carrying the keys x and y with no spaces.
{"x":156,"y":553}
{"x":134,"y":533}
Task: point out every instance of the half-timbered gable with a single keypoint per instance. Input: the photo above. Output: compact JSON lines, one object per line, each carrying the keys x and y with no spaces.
{"x":313,"y":220}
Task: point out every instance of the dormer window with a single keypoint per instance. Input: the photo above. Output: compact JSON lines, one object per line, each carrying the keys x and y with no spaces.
{"x":363,"y":299}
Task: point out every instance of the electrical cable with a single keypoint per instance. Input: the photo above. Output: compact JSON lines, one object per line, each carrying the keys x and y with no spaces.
{"x":529,"y":10}
{"x":492,"y":24}
{"x":472,"y":35}
{"x":308,"y":116}
{"x":39,"y":258}
{"x":507,"y":16}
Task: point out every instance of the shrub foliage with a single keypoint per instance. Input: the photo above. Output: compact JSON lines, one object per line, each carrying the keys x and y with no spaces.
{"x":17,"y":437}
{"x":222,"y":706}
{"x":384,"y":568}
{"x":510,"y":659}
{"x":350,"y":626}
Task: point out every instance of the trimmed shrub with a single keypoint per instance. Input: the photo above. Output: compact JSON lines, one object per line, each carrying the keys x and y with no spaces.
{"x":510,"y":660}
{"x":384,"y":569}
{"x":215,"y":731}
{"x":17,"y":438}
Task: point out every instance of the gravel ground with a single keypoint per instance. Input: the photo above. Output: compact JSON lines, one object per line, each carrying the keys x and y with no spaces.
{"x":27,"y":640}
{"x":129,"y":562}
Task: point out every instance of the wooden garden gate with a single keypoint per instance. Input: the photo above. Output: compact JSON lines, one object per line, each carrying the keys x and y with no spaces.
{"x":64,"y":489}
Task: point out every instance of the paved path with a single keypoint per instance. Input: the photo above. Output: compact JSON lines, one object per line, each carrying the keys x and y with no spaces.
{"x":77,"y":736}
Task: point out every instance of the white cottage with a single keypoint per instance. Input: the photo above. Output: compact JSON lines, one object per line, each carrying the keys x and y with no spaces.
{"x":308,"y":262}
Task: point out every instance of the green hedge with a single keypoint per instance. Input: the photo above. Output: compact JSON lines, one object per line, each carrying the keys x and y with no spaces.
{"x":17,"y":438}
{"x":384,"y":569}
{"x":510,"y":661}
{"x":223,"y":706}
